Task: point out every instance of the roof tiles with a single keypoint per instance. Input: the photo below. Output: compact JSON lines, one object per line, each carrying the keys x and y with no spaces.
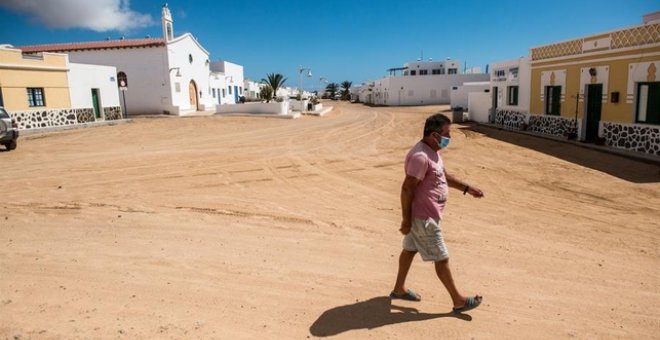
{"x":94,"y":45}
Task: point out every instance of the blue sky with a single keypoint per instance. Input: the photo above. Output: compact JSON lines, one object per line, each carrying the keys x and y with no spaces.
{"x":340,"y":40}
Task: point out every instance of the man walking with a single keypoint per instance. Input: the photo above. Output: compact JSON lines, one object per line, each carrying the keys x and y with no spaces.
{"x":423,"y":197}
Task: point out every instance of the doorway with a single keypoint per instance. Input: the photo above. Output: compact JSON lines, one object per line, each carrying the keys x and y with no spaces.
{"x":192,"y":93}
{"x":493,"y":112}
{"x":96,"y":104}
{"x":594,"y":105}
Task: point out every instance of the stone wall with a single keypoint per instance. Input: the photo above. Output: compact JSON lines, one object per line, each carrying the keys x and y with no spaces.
{"x":509,"y":119}
{"x":551,"y":125}
{"x":85,"y":115}
{"x":634,"y":137}
{"x":112,"y":113}
{"x":40,"y":119}
{"x":44,"y":118}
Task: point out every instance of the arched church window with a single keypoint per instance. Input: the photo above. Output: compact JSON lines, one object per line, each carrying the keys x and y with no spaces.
{"x":122,"y":80}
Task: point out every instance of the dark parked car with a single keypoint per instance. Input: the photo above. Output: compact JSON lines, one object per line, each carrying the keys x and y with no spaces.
{"x":8,"y":130}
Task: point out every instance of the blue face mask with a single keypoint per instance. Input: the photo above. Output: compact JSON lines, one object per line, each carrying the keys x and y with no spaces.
{"x":444,"y":142}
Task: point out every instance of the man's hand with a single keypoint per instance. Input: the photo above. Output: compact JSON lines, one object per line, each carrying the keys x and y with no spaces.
{"x":405,"y":227}
{"x":475,"y":192}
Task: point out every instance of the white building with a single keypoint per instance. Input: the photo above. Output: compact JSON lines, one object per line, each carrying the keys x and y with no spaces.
{"x":94,"y":86}
{"x":252,"y":89}
{"x":233,"y":81}
{"x":422,"y":83}
{"x":162,"y":75}
{"x":287,"y":92}
{"x":510,"y":85}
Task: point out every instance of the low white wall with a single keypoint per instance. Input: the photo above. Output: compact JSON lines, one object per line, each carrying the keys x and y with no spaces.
{"x":479,"y":104}
{"x":459,"y":96}
{"x":270,"y":108}
{"x":297,"y":105}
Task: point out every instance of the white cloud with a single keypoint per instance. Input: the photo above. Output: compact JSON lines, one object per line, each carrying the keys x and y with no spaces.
{"x":97,"y":15}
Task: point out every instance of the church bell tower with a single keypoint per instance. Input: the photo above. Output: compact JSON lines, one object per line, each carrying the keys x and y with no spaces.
{"x":166,"y":19}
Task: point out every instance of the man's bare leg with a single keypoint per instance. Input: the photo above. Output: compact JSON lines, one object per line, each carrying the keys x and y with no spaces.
{"x":405,"y":260}
{"x":444,"y":274}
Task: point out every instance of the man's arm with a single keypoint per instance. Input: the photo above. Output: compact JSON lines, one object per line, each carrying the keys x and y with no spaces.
{"x":408,"y":187}
{"x":456,"y":183}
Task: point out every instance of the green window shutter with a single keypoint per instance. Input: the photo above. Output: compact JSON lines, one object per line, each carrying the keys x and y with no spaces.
{"x":653,"y":105}
{"x":515,"y":95}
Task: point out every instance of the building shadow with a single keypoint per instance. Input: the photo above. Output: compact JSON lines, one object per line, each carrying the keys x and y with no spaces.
{"x":370,"y":314}
{"x":625,"y":168}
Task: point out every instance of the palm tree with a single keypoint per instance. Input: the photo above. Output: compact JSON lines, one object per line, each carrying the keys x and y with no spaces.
{"x":346,"y":90}
{"x":275,"y":81}
{"x":332,"y":88}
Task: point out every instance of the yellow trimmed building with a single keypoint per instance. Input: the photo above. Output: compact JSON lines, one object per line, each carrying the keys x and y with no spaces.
{"x":30,"y":82}
{"x":604,"y":88}
{"x":43,"y":90}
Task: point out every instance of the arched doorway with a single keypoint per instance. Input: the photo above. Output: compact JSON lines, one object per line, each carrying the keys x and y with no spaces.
{"x":192,"y":93}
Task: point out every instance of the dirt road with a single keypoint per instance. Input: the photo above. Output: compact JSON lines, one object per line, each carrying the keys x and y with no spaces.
{"x":218,"y":227}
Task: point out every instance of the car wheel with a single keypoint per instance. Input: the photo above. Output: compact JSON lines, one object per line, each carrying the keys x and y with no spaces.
{"x":11,"y":145}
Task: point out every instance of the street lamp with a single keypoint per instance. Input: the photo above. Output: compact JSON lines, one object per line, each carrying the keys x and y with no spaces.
{"x":178,"y":71}
{"x":302,"y":69}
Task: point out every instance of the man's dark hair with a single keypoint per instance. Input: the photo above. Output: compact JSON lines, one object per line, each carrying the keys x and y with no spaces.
{"x":435,"y":123}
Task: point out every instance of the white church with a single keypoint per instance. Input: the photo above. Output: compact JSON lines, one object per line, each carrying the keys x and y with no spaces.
{"x":170,"y":75}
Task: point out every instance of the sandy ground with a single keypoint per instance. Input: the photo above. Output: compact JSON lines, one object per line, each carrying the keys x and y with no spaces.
{"x":218,"y":227}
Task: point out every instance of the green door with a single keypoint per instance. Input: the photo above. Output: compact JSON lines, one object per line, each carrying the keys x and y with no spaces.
{"x":552,"y":100}
{"x":95,"y":102}
{"x":493,"y":111}
{"x":594,"y":97}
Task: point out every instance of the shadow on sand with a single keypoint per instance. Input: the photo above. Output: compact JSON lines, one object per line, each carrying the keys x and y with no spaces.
{"x":373,"y":313}
{"x":631,"y":170}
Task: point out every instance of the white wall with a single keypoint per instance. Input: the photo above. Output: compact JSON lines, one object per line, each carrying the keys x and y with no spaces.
{"x":479,"y":104}
{"x":146,"y":71}
{"x":272,"y":108}
{"x":429,"y":66}
{"x":286,"y":92}
{"x":419,"y":90}
{"x":83,"y":78}
{"x":251,"y":89}
{"x":523,"y":81}
{"x":298,"y":105}
{"x":218,"y":82}
{"x":234,"y":79}
{"x":459,"y":94}
{"x":179,"y":52}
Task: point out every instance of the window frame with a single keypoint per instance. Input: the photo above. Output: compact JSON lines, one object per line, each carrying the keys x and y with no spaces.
{"x":512,"y":93}
{"x":36,"y":96}
{"x":548,"y":105}
{"x":655,"y":96}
